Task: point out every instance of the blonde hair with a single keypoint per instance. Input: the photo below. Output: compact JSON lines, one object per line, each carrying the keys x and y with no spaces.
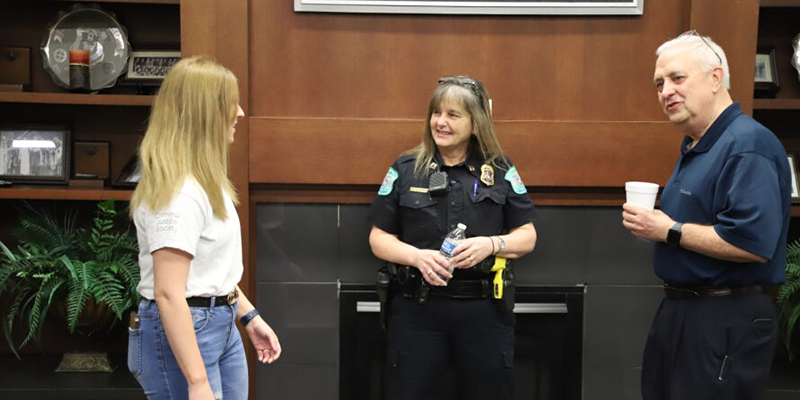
{"x":471,"y":95}
{"x":187,"y":136}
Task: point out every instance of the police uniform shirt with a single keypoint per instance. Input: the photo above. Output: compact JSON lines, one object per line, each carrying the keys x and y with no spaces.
{"x":736,"y":179}
{"x":487,"y":199}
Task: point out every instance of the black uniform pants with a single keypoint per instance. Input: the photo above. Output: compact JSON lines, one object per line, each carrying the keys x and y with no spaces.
{"x":476,"y":335}
{"x":710,"y":348}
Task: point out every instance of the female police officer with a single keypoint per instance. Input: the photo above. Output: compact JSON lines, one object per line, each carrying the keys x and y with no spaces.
{"x":457,"y":174}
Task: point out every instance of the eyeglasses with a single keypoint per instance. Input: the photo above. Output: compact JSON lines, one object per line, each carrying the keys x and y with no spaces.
{"x":462,"y":81}
{"x":694,"y":32}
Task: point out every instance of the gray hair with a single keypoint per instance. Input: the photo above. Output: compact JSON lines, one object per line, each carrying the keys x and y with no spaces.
{"x":703,"y":49}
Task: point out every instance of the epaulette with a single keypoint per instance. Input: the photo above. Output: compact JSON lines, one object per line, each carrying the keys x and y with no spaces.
{"x":406,"y":158}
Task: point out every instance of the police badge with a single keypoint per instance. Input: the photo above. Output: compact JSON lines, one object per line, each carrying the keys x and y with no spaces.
{"x":487,"y":175}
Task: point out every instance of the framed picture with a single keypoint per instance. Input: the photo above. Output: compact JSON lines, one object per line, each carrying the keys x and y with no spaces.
{"x":795,"y":186}
{"x":130,"y":175}
{"x":766,"y":74}
{"x":91,"y":159}
{"x":34,"y":153}
{"x":483,"y":7}
{"x":151,"y":66}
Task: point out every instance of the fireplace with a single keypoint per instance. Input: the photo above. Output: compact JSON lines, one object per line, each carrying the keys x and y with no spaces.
{"x":548,"y":352}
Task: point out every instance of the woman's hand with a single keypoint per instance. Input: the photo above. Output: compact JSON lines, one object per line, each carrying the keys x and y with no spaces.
{"x":264,"y":340}
{"x":472,"y":251}
{"x":433,"y":266}
{"x":201,"y":391}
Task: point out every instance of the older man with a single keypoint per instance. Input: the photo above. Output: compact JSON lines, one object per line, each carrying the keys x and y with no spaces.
{"x":720,"y":235}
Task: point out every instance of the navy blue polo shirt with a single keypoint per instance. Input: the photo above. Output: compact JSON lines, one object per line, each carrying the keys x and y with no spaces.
{"x":737,"y":180}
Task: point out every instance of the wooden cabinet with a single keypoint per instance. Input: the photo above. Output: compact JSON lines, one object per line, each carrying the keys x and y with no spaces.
{"x":117,"y":115}
{"x":778,"y":24}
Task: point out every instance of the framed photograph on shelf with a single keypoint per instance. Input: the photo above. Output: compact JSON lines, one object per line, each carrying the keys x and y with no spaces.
{"x":150,"y":67}
{"x":91,"y":160}
{"x":130,"y":175}
{"x":32,"y":153}
{"x":793,"y":169}
{"x":766,"y":74}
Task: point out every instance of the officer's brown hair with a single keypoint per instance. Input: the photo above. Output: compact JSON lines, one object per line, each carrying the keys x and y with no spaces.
{"x":471,"y":95}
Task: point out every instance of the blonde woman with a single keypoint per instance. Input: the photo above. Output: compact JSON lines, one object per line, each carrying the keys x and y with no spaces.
{"x":186,"y":344}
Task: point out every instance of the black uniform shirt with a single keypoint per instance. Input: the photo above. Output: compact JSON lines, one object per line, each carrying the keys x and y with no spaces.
{"x":403,"y":206}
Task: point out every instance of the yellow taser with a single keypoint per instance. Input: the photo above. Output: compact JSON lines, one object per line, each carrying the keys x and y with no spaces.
{"x":498,"y":268}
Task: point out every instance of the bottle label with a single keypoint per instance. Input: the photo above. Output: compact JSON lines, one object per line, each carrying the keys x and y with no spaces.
{"x":448,"y":246}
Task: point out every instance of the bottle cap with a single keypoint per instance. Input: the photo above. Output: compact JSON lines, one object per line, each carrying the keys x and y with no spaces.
{"x":79,"y":57}
{"x":462,"y":227}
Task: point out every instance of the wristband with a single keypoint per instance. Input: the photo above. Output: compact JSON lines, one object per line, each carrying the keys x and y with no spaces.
{"x":492,"y":240}
{"x":248,"y":317}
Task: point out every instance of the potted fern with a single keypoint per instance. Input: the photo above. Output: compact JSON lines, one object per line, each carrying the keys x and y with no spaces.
{"x":788,"y":300}
{"x":60,"y":269}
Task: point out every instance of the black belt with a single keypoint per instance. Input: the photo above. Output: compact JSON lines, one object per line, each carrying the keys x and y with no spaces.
{"x":410,"y":280}
{"x":218,"y":301}
{"x":675,"y":292}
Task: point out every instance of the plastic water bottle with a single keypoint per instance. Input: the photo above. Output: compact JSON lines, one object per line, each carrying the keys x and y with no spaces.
{"x":451,"y":242}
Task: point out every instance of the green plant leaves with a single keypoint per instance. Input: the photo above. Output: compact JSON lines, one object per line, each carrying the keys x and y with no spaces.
{"x":56,"y":262}
{"x":788,"y":300}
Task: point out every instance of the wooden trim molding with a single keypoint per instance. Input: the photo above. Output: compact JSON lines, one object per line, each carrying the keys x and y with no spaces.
{"x":365,"y":194}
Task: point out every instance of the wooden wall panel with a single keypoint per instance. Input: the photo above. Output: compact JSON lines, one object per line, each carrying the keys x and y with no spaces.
{"x":574,"y":91}
{"x":596,"y":68}
{"x":547,"y":153}
{"x":734,"y":27}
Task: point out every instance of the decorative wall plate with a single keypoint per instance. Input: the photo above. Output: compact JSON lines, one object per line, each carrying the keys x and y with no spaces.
{"x":83,"y":27}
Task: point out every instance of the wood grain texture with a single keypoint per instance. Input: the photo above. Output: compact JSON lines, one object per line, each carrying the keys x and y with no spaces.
{"x":547,"y":153}
{"x":75,"y":98}
{"x":336,"y":97}
{"x":596,"y":68}
{"x":731,"y":25}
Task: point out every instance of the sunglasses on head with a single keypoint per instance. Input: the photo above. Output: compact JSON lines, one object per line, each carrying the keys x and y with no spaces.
{"x":462,"y":81}
{"x":694,"y":32}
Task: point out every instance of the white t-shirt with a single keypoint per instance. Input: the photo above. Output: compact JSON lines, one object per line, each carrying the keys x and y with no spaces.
{"x":189,"y":224}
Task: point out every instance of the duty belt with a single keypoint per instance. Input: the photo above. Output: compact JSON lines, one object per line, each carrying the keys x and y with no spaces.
{"x":412,"y":285}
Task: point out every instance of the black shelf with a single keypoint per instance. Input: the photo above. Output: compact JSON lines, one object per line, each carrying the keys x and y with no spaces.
{"x":34,"y":377}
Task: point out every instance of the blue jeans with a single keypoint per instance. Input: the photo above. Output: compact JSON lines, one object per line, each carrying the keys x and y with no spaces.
{"x":151,"y":361}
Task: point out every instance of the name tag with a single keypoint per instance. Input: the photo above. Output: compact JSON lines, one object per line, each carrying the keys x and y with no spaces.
{"x":418,"y":189}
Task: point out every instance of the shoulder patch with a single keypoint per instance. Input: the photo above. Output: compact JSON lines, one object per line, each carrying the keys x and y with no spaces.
{"x":388,"y":182}
{"x":516,"y":182}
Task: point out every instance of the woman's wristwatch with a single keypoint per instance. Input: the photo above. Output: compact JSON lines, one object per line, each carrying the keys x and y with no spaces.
{"x":502,"y":245}
{"x":248,"y":317}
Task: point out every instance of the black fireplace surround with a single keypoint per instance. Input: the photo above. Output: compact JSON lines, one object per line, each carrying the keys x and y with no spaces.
{"x":548,"y":352}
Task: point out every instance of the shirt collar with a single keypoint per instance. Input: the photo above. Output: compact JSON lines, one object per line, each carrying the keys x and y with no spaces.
{"x":472,"y":163}
{"x":714,"y":131}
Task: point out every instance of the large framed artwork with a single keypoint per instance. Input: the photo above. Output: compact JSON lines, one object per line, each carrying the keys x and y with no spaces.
{"x":498,"y":7}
